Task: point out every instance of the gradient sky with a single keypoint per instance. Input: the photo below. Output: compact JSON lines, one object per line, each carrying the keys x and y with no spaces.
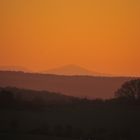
{"x":100,"y":35}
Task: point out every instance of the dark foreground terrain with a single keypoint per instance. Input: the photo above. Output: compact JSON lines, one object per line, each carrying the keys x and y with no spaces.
{"x":34,"y":115}
{"x":30,"y":137}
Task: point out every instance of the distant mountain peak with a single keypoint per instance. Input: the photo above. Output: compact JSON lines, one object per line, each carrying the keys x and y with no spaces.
{"x":13,"y":68}
{"x":71,"y":70}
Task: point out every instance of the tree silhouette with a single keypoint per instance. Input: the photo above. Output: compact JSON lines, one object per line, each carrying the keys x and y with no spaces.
{"x":6,"y":95}
{"x":7,"y":98}
{"x":130,"y":90}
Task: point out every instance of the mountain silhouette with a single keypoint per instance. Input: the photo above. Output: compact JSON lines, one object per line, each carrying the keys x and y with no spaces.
{"x":72,"y":70}
{"x":78,"y":86}
{"x":14,"y":68}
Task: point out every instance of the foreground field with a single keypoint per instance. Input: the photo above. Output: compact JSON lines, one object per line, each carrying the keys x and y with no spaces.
{"x":54,"y":116}
{"x":29,"y":137}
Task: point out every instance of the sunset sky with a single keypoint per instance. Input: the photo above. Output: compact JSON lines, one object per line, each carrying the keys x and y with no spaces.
{"x":100,"y":35}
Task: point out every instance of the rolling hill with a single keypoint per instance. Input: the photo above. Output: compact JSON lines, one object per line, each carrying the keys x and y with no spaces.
{"x":26,"y":95}
{"x":79,"y":86}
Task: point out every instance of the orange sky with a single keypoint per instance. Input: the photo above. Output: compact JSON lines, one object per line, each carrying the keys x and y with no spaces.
{"x":100,"y":35}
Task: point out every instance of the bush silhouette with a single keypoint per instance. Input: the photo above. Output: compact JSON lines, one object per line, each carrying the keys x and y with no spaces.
{"x":7,"y":98}
{"x":130,"y":90}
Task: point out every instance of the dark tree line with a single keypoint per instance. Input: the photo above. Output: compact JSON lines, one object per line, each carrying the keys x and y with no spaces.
{"x":130,"y":91}
{"x":16,"y":98}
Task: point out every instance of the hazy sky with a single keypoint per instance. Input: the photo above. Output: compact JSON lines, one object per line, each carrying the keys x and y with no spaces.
{"x":101,"y":35}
